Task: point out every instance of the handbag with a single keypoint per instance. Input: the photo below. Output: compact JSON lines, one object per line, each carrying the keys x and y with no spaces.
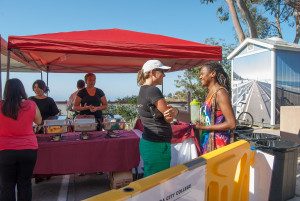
{"x":211,"y":138}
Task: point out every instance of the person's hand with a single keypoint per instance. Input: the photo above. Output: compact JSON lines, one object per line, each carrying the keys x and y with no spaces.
{"x":93,"y":108}
{"x":86,"y":107}
{"x":199,"y":125}
{"x":170,"y":113}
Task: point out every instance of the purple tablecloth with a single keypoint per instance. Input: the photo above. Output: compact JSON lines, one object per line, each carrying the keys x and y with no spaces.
{"x":97,"y":154}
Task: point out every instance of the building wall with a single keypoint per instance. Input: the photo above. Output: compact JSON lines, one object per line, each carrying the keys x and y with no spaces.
{"x":287,"y":80}
{"x":251,"y":84}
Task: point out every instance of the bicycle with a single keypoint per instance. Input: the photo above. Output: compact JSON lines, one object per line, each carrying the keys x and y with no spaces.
{"x":244,"y":118}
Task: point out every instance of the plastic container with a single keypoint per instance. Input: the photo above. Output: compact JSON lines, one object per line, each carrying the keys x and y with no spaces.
{"x":242,"y":130}
{"x":195,"y":111}
{"x":285,"y":154}
{"x":254,"y":137}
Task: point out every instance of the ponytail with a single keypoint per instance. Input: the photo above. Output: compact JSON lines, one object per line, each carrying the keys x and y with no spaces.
{"x":141,"y":77}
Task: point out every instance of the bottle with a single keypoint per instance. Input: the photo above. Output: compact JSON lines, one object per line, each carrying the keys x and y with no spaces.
{"x":195,"y":111}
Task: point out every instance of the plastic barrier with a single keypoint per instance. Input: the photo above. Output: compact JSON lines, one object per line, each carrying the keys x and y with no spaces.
{"x":228,"y":172}
{"x":220,"y":175}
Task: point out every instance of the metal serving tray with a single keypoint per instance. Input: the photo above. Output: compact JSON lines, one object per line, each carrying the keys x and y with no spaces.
{"x":114,"y":125}
{"x":56,"y":124}
{"x":84,"y":123}
{"x":56,"y":121}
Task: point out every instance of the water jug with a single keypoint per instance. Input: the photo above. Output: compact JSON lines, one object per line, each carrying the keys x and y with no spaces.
{"x":195,"y":111}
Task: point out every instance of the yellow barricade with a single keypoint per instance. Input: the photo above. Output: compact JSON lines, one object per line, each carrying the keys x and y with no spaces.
{"x":228,"y":172}
{"x":226,"y":176}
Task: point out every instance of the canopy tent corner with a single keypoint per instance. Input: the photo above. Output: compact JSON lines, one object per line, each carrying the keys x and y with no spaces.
{"x":10,"y":62}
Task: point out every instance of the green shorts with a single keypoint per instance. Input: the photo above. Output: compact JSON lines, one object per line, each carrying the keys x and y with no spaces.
{"x":156,"y":156}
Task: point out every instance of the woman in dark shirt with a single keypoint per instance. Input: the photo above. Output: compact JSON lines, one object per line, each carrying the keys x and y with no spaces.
{"x":155,"y":145}
{"x":46,"y":104}
{"x":91,"y":100}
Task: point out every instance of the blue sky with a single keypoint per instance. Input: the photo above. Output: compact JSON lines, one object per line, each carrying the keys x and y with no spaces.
{"x":184,"y":19}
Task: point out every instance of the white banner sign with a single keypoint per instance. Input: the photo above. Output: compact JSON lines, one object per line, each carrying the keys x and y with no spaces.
{"x":188,"y":186}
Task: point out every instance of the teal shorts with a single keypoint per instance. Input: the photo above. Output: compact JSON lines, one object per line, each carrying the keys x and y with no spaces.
{"x":156,"y":156}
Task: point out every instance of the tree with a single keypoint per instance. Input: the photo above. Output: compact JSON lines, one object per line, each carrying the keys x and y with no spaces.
{"x":128,"y":111}
{"x":234,"y":16}
{"x":190,"y":81}
{"x":295,"y":5}
{"x":252,"y":13}
{"x":248,"y":18}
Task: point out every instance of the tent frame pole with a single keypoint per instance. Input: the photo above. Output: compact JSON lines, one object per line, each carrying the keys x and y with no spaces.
{"x":8,"y":64}
{"x":47,"y":77}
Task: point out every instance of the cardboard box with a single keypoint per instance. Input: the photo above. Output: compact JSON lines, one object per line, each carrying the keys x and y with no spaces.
{"x":120,"y":179}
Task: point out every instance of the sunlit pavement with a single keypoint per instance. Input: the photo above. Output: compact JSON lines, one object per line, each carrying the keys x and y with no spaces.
{"x":75,"y":188}
{"x":70,"y":187}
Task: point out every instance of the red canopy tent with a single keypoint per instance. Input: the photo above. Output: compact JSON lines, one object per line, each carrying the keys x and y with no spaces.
{"x":14,"y":62}
{"x":108,"y":51}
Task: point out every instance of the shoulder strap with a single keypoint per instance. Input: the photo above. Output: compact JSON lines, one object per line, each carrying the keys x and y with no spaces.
{"x":213,"y":106}
{"x":211,"y":139}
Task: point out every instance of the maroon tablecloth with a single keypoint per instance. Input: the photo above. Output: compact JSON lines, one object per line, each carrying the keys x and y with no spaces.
{"x":97,"y":154}
{"x":181,"y":132}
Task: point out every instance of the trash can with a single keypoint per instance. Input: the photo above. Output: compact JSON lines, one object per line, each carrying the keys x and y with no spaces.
{"x":241,"y":130}
{"x":284,"y":172}
{"x":254,"y":137}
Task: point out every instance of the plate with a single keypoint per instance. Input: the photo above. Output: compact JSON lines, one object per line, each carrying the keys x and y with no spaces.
{"x":113,"y":136}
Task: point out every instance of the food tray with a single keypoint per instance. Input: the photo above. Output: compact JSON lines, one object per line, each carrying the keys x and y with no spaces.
{"x":56,"y":121}
{"x":55,"y":129}
{"x":114,"y":125}
{"x":56,"y":124}
{"x":84,"y":119}
{"x":85,"y":127}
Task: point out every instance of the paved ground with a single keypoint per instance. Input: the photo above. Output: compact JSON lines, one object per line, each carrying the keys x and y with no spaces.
{"x":75,"y":188}
{"x":70,"y":187}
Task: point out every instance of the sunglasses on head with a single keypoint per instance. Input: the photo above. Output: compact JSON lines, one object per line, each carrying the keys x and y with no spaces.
{"x":161,"y":70}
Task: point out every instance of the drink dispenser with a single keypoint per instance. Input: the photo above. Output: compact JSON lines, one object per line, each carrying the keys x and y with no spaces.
{"x":195,"y":111}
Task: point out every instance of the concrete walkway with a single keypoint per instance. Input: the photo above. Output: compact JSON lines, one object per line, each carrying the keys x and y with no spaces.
{"x":75,"y":188}
{"x":70,"y":187}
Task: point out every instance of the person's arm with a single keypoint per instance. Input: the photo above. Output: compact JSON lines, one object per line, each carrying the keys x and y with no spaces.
{"x":53,"y":109}
{"x":171,"y":112}
{"x":162,"y":106}
{"x":224,"y":104}
{"x":70,"y":103}
{"x":101,"y":107}
{"x":38,"y":117}
{"x":77,"y":106}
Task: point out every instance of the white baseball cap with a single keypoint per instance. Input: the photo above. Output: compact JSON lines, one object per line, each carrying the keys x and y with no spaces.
{"x":154,"y":64}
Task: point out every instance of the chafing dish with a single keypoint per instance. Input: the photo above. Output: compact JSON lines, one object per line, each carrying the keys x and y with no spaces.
{"x":114,"y":122}
{"x":56,"y":124}
{"x":114,"y":125}
{"x":84,"y":123}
